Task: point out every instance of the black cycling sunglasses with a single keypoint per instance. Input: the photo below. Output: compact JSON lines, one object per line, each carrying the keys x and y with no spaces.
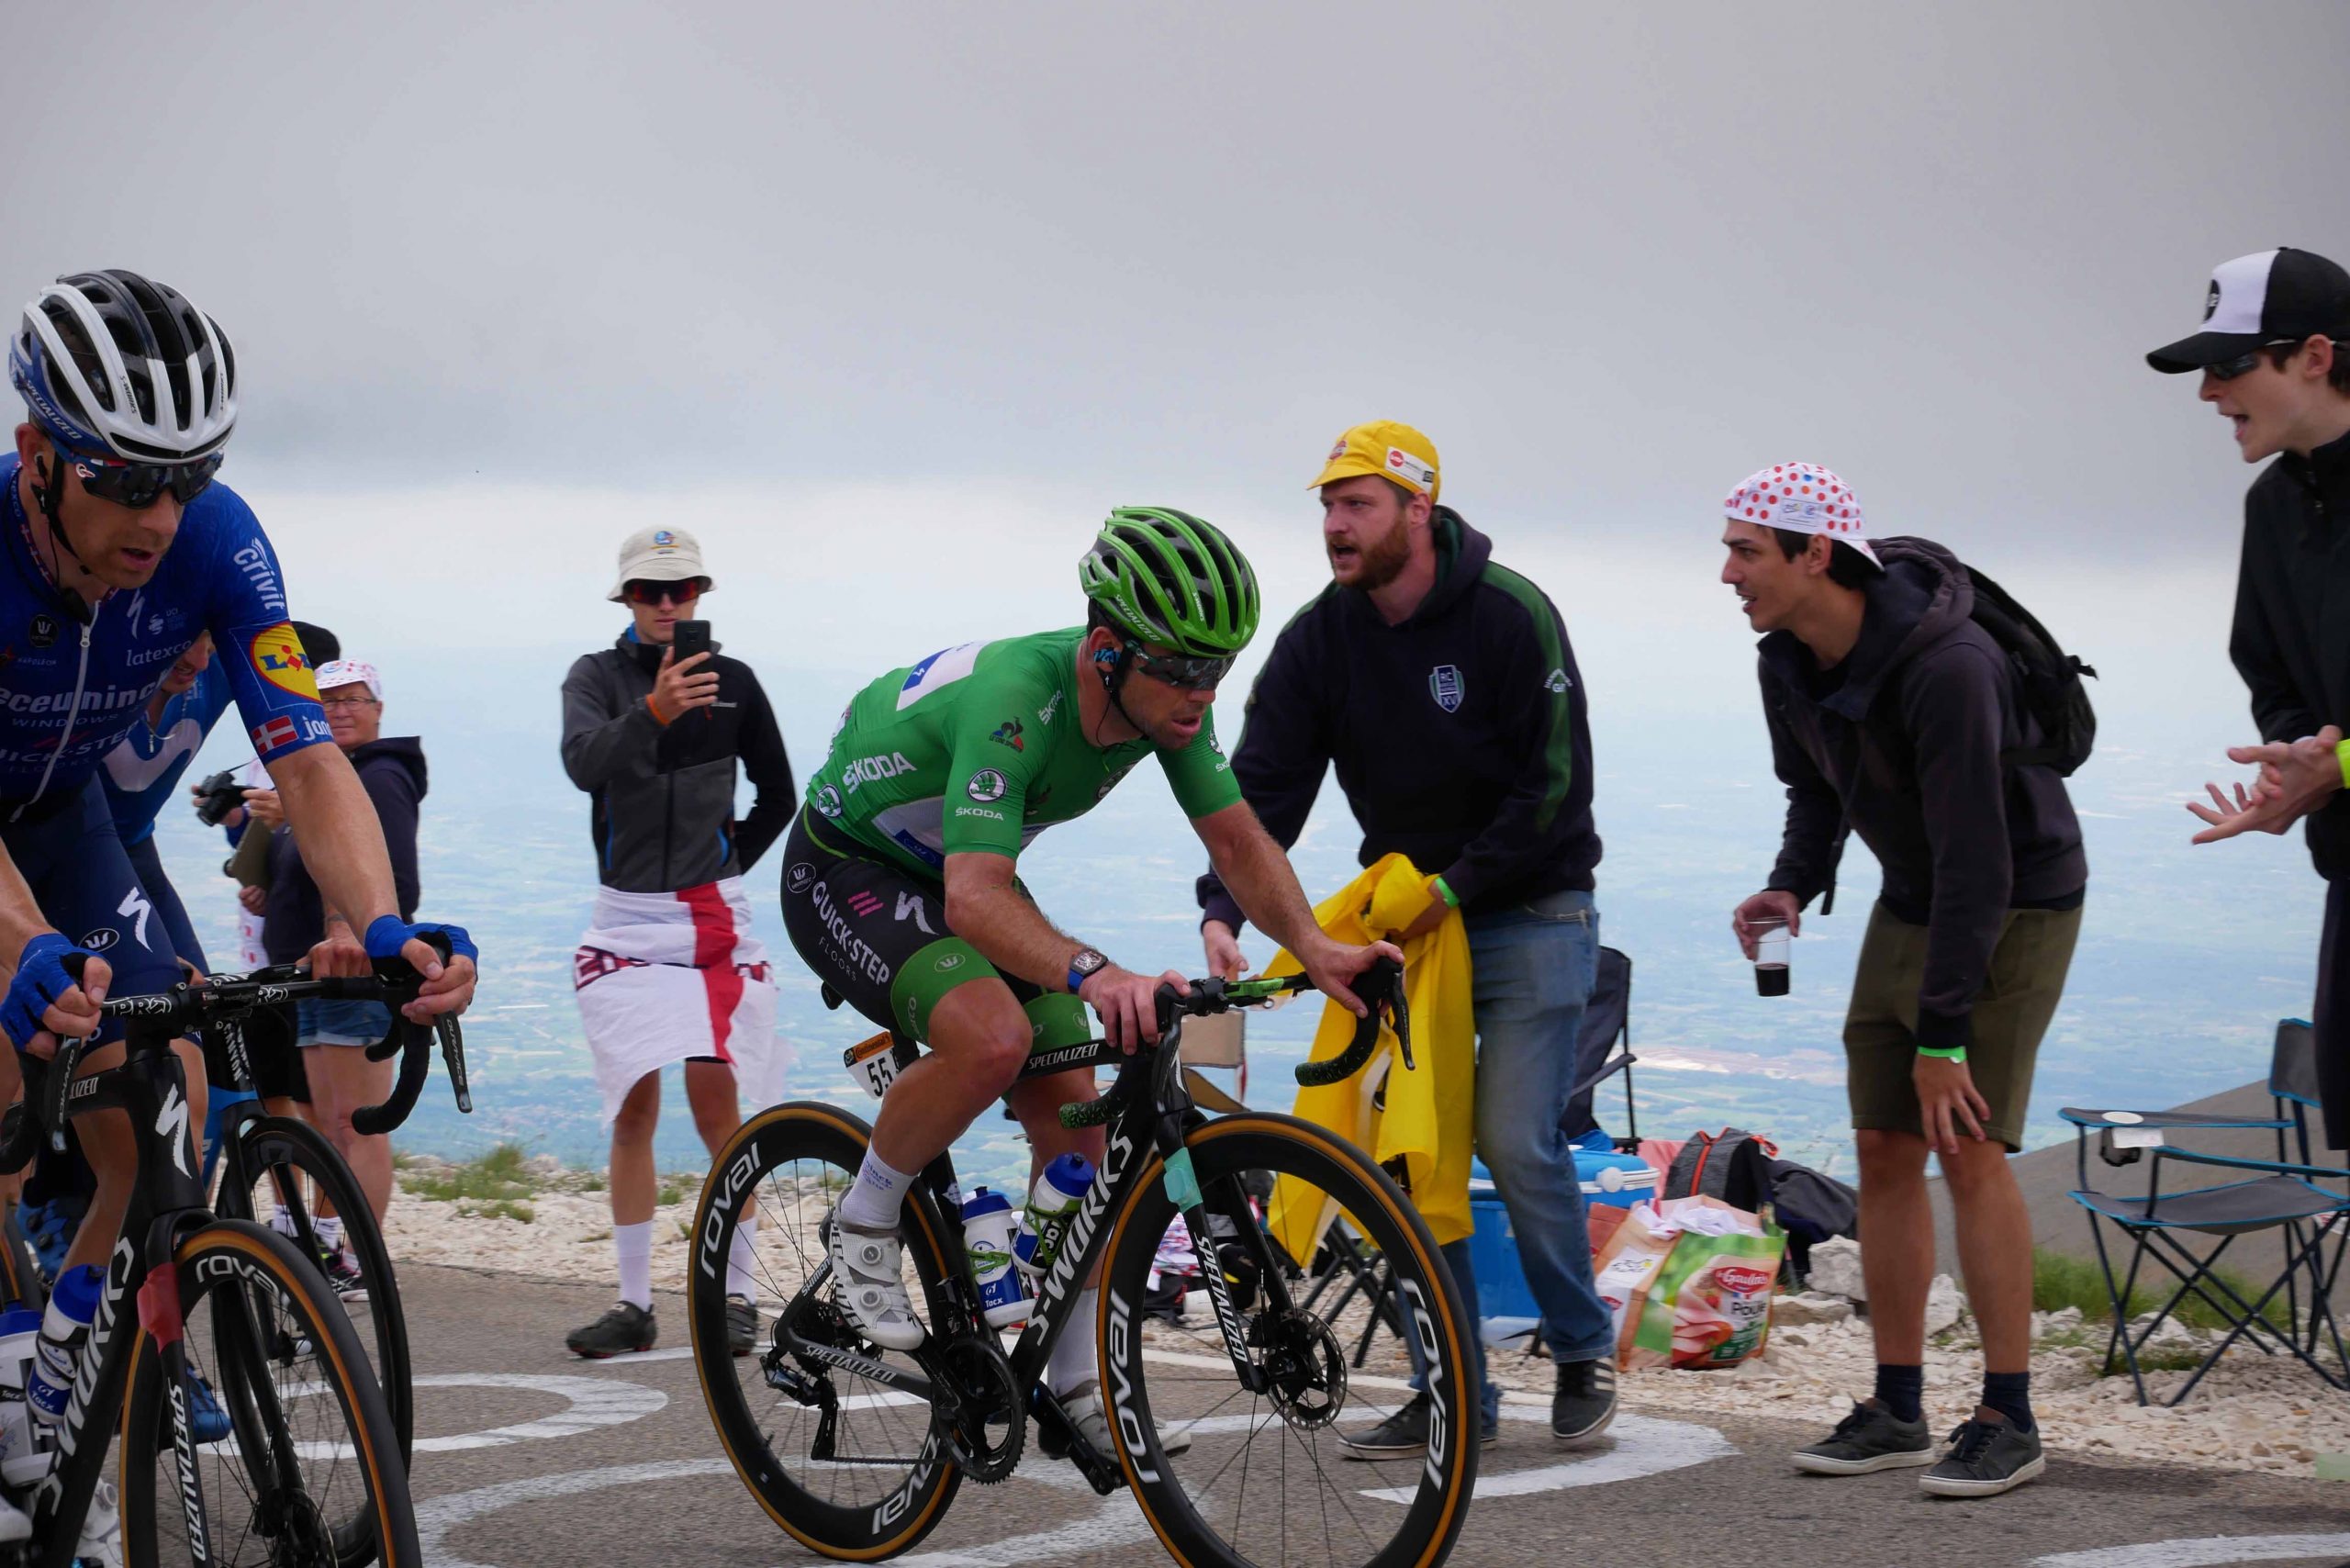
{"x":141,"y":484}
{"x":677,"y":590}
{"x":2243,"y":364}
{"x":1192,"y":675}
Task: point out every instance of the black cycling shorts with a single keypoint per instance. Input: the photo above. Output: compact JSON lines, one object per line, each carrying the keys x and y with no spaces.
{"x":877,"y":935}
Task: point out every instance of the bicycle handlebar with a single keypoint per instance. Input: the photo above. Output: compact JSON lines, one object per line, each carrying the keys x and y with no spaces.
{"x":49,"y":1084}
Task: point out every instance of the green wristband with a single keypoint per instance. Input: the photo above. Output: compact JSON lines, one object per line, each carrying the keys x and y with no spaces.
{"x":1955,"y":1053}
{"x":2342,"y":755}
{"x":1444,"y":889}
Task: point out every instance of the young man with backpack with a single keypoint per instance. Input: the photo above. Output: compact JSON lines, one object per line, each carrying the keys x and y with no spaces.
{"x":2274,"y":359}
{"x":1920,"y":707}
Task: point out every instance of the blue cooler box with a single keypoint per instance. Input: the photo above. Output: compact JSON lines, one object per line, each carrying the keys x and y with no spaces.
{"x":1504,"y":1301}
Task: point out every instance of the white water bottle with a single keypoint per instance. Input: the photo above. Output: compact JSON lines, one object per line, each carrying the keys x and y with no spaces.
{"x":989,"y":1229}
{"x":64,"y":1331}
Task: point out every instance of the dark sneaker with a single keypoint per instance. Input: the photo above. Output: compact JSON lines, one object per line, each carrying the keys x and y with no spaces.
{"x":1404,"y":1434}
{"x":741,"y":1324}
{"x":342,"y":1272}
{"x":1986,"y":1458}
{"x":1871,"y":1438}
{"x":1585,"y":1401}
{"x":626,"y":1327}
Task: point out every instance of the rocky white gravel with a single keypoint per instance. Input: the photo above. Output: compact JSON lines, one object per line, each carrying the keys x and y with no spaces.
{"x":2253,"y":1412}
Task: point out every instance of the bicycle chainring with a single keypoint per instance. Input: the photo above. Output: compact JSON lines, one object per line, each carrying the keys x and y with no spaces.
{"x":1305,"y":1366}
{"x":982,"y":1412}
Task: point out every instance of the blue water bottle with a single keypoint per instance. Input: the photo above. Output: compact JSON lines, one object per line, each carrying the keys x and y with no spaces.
{"x":1050,"y":1209}
{"x":988,"y":1228}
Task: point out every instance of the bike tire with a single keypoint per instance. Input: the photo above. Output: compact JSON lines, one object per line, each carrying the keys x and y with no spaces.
{"x":798,"y":1159}
{"x":249,"y":1302}
{"x":274,"y":1148}
{"x":1199,"y":1504}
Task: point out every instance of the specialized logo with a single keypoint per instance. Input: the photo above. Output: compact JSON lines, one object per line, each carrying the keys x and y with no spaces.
{"x":1446,"y":685}
{"x":1558,"y":682}
{"x":873,"y":770}
{"x":1008,"y":733}
{"x":171,"y":1123}
{"x":1045,"y":715}
{"x":797,"y":878}
{"x":826,"y":800}
{"x":985,"y":785}
{"x":278,"y":658}
{"x":910,"y":904}
{"x":135,"y":908}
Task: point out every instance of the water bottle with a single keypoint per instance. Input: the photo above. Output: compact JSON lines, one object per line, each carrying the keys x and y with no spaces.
{"x":1058,"y":1190}
{"x":989,"y":1227}
{"x":23,"y":1458}
{"x":71,"y":1305}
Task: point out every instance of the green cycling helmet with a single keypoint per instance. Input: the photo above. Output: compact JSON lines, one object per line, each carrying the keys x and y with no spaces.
{"x":1165,"y":577}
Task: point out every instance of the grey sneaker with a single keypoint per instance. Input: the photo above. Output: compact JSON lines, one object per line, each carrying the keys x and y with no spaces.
{"x":1872,"y":1438}
{"x":1404,"y":1434}
{"x":1583,"y":1401}
{"x":625,"y":1328}
{"x":741,"y":1324}
{"x":1986,"y":1458}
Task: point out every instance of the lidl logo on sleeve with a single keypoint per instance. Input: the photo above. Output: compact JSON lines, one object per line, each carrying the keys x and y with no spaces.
{"x":278,"y":657}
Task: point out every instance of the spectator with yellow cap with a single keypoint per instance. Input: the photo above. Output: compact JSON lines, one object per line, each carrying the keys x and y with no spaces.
{"x":1443,"y":688}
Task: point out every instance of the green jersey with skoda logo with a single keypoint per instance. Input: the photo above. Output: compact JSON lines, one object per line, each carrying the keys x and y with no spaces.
{"x":977,"y":749}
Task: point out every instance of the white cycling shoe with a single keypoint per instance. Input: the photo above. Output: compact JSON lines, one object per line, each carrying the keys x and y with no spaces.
{"x":15,"y":1524}
{"x":1085,"y":1410}
{"x":867,"y":1274}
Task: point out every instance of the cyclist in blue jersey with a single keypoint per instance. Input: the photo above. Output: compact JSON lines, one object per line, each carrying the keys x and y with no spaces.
{"x":117,"y":551}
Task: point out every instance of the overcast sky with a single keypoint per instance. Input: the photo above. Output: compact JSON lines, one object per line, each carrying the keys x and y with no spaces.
{"x":1611,"y":258}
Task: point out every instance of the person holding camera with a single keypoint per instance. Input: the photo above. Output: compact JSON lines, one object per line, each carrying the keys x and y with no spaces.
{"x":669,"y":971}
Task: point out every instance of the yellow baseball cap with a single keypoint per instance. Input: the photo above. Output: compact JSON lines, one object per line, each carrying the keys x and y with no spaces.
{"x":1390,"y":450}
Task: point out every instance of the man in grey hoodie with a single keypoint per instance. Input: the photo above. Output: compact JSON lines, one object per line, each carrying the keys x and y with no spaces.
{"x":1891,"y":714}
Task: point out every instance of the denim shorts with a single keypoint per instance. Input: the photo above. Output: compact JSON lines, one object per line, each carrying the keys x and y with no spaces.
{"x":321,"y":1022}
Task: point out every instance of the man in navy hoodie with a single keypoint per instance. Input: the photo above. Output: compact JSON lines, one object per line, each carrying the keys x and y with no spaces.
{"x":1443,"y":688}
{"x":1892,"y":716}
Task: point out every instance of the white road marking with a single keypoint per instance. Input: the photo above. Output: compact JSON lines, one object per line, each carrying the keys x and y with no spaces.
{"x":1643,"y":1446}
{"x":590,"y":1403}
{"x":436,"y":1518}
{"x":2204,"y":1552}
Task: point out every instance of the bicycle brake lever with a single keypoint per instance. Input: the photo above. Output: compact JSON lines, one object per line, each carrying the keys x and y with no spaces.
{"x":452,"y":1054}
{"x":59,"y":1086}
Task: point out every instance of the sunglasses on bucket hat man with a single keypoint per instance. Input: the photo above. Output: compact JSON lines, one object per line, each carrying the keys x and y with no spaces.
{"x":674,"y":590}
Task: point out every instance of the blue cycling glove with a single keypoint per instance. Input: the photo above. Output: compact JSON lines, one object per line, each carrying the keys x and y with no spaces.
{"x":41,"y":979}
{"x":387,"y":934}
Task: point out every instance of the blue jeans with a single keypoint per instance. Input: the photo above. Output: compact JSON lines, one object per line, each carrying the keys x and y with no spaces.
{"x":1534,"y":967}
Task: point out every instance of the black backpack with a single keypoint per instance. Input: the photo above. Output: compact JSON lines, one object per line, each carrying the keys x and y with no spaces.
{"x":2047,"y":679}
{"x":1732,"y":1165}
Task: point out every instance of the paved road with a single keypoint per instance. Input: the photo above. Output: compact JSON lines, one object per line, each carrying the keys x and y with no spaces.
{"x":531,"y":1457}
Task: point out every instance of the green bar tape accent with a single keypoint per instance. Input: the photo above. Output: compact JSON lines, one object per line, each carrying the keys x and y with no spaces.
{"x":1181,"y":1185}
{"x":1087,"y":1113}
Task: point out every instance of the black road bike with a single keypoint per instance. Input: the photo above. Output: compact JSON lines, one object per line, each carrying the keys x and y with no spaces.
{"x":284,"y":1173}
{"x":857,"y":1451}
{"x":311,"y":1471}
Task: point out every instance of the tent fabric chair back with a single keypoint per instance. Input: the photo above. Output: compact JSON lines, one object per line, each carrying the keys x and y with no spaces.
{"x":1606,"y":1025}
{"x":2293,"y":1066}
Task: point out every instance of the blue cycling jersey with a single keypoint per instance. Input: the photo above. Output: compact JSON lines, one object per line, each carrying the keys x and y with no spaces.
{"x":70,"y":691}
{"x":141,"y":774}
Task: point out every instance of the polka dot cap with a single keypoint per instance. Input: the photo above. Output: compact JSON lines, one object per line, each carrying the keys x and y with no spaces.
{"x":1802,"y":498}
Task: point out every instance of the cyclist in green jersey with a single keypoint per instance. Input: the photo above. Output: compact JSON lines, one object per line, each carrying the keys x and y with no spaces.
{"x":899,"y":888}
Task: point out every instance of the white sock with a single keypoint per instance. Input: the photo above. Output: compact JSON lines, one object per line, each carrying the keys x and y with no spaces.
{"x":330,"y":1229}
{"x":1073,"y":1359}
{"x":873,"y":1198}
{"x":634,"y":1244}
{"x":742,"y":1259}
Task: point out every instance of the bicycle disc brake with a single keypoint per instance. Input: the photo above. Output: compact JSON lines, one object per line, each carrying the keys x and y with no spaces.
{"x":979,"y":1410}
{"x":1305,"y":1366}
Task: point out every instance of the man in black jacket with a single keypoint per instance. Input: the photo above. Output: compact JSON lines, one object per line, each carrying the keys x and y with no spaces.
{"x":2274,"y":355}
{"x":1443,"y":688}
{"x":669,"y":971}
{"x":1889,"y":712}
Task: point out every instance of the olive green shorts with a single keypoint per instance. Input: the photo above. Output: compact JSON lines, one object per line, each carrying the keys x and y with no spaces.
{"x":2026,"y":981}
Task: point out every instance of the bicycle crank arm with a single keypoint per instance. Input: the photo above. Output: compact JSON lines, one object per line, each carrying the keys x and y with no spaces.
{"x":1099,"y":1469}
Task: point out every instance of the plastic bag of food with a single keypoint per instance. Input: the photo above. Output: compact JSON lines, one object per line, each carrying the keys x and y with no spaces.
{"x":1708,"y":1303}
{"x":1628,"y":1264}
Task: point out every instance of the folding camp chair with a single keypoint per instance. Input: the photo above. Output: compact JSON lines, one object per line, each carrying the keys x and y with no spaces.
{"x":1603,"y":1048}
{"x":2283,"y":1195}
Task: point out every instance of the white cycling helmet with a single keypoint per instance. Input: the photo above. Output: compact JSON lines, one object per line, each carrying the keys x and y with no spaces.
{"x":111,"y":364}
